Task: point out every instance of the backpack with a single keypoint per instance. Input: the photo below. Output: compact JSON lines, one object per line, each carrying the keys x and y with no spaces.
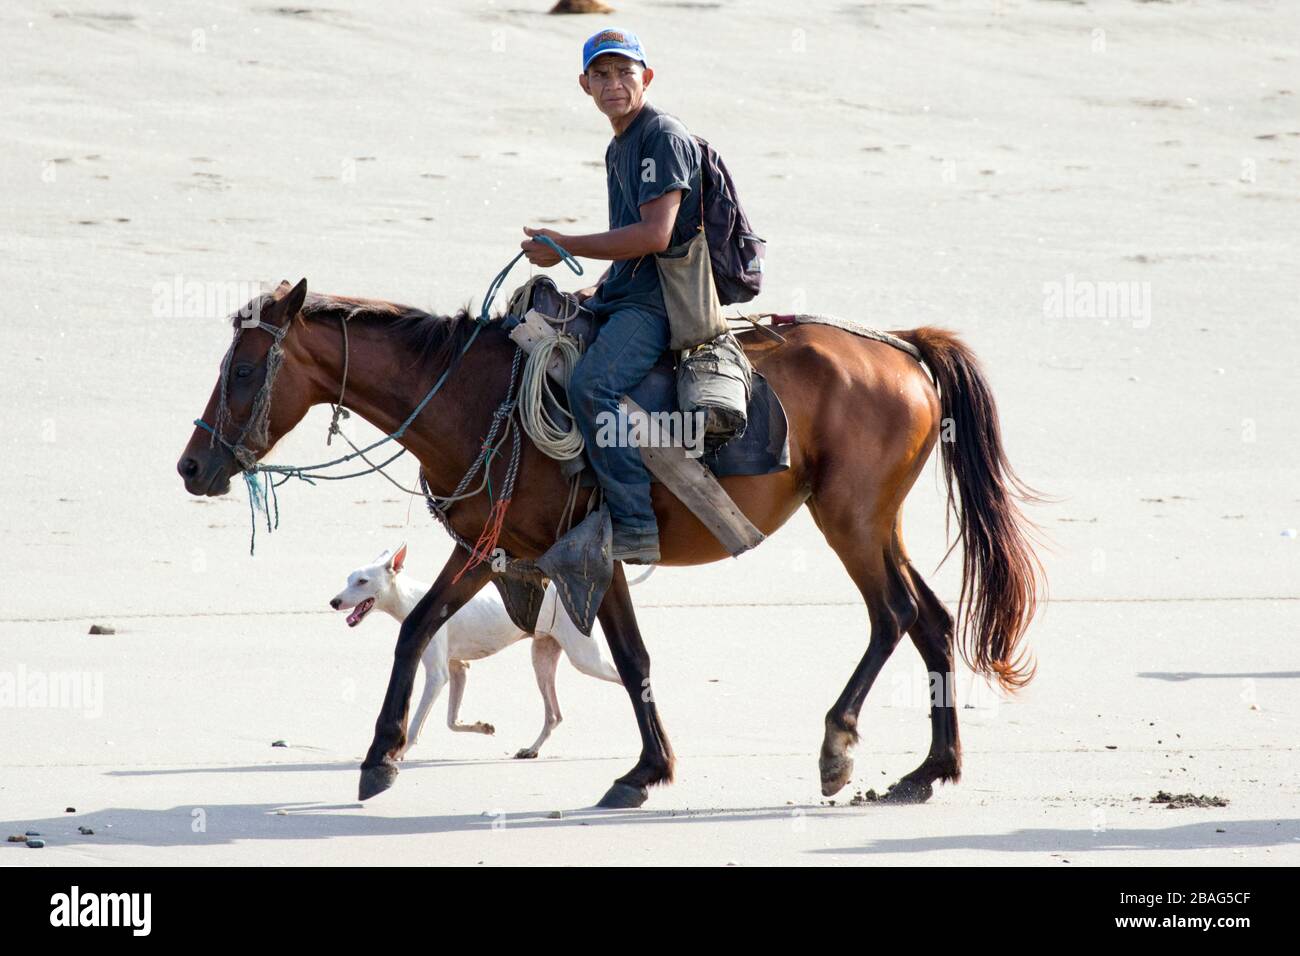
{"x":735,"y":251}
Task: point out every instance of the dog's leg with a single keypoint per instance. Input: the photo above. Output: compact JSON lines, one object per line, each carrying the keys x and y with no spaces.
{"x":582,"y":650}
{"x":435,"y":676}
{"x":546,"y":658}
{"x":458,"y":671}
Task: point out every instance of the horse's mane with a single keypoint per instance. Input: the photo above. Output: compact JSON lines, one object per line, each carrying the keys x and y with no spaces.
{"x":430,"y":339}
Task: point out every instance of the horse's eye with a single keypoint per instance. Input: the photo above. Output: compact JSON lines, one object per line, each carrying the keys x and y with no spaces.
{"x":243,"y":370}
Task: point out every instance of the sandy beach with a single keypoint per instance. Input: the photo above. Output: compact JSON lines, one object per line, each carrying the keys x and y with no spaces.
{"x":1101,"y":197}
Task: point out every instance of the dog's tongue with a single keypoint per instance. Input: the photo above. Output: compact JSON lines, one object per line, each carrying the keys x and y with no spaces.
{"x":359,"y":612}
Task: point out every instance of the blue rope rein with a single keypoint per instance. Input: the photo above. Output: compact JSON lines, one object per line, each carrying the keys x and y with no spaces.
{"x":262,"y":494}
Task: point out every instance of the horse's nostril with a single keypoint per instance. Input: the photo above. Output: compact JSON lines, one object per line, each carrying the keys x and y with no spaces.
{"x":335,"y":603}
{"x":188,"y":467}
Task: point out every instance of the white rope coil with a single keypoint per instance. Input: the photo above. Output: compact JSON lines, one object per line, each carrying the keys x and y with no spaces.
{"x":560,"y":440}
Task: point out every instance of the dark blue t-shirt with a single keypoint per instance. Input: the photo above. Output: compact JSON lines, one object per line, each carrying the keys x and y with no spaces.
{"x":654,"y":155}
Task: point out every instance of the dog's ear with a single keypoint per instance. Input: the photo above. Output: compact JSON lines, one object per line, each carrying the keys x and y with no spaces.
{"x":398,"y":560}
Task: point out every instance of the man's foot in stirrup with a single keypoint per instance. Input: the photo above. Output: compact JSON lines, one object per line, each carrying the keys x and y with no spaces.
{"x":635,"y":547}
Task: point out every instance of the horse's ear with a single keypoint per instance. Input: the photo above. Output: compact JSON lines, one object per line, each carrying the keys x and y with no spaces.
{"x":398,"y":560}
{"x":293,"y":300}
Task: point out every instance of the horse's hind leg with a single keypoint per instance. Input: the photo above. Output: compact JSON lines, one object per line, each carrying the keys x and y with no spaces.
{"x":932,"y":633}
{"x":868,"y":556}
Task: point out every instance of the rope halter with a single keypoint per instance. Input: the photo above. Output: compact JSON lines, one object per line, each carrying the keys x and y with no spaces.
{"x":255,"y":430}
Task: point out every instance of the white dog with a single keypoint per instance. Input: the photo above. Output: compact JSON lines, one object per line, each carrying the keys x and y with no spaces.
{"x":479,"y":629}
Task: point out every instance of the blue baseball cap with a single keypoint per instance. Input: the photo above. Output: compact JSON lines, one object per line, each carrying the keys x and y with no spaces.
{"x":622,"y":42}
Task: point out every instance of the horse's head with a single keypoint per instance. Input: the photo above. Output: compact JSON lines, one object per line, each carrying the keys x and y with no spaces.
{"x":259,"y":395}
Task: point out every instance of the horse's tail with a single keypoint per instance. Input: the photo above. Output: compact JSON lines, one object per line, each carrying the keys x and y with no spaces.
{"x":1001,"y":577}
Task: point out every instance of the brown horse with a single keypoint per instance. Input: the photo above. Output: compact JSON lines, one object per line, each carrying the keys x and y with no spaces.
{"x":863,"y":419}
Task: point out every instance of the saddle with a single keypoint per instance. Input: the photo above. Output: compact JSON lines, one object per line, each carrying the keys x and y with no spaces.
{"x":764,"y":447}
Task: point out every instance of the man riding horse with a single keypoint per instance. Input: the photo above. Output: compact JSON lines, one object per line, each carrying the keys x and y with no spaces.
{"x":651,"y":164}
{"x":865,"y":411}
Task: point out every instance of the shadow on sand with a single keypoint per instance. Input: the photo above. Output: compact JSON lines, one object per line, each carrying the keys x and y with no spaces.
{"x":215,"y":824}
{"x":1178,"y":676}
{"x":1200,"y":835}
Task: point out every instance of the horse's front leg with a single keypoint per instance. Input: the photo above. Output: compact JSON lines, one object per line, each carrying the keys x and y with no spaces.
{"x":618,"y":619}
{"x":444,"y":599}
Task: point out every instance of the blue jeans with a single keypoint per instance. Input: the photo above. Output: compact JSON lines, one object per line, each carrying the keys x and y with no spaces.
{"x":629,"y":343}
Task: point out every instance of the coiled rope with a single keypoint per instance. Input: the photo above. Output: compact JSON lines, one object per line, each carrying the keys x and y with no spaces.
{"x":560,"y":439}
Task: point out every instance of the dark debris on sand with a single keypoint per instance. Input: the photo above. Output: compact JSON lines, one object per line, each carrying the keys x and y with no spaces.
{"x":1179,"y":801}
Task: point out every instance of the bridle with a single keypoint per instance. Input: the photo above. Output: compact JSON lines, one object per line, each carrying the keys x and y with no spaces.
{"x":259,"y":417}
{"x":254,"y":430}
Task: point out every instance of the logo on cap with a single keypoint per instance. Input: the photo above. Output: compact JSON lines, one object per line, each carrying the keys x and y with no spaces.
{"x":621,"y":42}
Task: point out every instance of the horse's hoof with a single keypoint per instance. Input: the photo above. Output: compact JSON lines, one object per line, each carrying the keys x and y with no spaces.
{"x":375,"y":780}
{"x":623,"y":796}
{"x":836,"y":772}
{"x":527,"y":753}
{"x":909,"y":791}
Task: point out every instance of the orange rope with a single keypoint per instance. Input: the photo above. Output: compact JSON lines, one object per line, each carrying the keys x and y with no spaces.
{"x":487,"y":540}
